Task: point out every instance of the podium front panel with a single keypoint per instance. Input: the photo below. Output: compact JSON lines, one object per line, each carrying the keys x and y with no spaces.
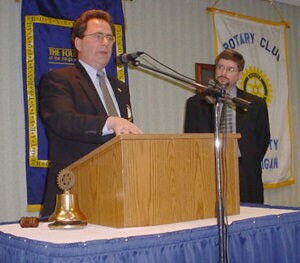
{"x":144,"y":180}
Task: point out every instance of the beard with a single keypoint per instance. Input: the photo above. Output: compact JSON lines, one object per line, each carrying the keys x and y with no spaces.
{"x":223,"y":81}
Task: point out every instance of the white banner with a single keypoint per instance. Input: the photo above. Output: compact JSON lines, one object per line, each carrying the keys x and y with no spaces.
{"x":263,"y":45}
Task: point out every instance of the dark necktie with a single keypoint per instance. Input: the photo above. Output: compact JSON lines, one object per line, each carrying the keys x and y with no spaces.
{"x":226,"y":123}
{"x":110,"y":106}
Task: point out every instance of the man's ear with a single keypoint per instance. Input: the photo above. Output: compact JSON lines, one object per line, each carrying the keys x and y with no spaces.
{"x":241,"y":74}
{"x":77,"y":43}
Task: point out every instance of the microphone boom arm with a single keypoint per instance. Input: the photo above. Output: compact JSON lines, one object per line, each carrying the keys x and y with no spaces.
{"x":213,"y":90}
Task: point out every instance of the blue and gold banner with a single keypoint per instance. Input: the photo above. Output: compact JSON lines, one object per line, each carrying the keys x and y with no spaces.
{"x":46,"y":44}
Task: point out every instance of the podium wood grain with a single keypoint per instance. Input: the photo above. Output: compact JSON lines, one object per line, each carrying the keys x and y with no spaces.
{"x":144,"y":180}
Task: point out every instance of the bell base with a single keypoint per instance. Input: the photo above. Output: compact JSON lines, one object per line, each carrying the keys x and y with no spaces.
{"x":67,"y":225}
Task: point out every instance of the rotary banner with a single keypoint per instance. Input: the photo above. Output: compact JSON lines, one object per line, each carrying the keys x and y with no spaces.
{"x":46,"y":44}
{"x":263,"y":45}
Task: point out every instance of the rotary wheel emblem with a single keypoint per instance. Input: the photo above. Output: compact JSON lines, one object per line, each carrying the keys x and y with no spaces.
{"x":256,"y":82}
{"x":65,"y":179}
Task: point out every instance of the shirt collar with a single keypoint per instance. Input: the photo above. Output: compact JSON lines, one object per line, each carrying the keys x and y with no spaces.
{"x":232,"y":92}
{"x":90,"y":70}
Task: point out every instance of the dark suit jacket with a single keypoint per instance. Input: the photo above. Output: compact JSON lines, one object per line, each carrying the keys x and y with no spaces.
{"x":74,"y":117}
{"x":253,"y":125}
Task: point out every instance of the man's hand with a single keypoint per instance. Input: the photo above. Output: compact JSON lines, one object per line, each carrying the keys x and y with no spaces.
{"x":122,"y":126}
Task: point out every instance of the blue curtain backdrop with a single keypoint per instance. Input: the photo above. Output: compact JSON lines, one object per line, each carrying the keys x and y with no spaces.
{"x":46,"y":44}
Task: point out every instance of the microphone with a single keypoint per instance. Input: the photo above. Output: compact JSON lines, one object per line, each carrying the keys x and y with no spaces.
{"x":245,"y":104}
{"x":126,"y":58}
{"x":215,"y":88}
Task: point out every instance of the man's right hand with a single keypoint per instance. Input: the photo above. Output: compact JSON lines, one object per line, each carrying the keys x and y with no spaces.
{"x":122,"y":126}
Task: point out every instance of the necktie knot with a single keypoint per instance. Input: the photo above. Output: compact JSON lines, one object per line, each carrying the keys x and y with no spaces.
{"x":100,"y":74}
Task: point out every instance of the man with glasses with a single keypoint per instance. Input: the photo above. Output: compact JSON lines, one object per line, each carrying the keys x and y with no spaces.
{"x":81,"y":106}
{"x":252,"y":124}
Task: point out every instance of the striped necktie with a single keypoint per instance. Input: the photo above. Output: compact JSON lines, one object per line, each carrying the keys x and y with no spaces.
{"x":226,"y":122}
{"x":110,"y":106}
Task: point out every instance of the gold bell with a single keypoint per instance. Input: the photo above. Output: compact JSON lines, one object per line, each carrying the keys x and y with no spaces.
{"x":67,"y":214}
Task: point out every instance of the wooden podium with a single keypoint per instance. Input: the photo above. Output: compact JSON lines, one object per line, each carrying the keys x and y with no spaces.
{"x":152,"y":179}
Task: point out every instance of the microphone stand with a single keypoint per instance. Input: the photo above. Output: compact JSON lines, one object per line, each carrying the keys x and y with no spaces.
{"x":214,"y":90}
{"x":220,"y":96}
{"x":220,"y":207}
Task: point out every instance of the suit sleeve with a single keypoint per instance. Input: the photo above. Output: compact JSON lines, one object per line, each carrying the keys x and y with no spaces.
{"x":189,"y":117}
{"x":263,"y":128}
{"x":198,"y":116}
{"x":66,"y":110}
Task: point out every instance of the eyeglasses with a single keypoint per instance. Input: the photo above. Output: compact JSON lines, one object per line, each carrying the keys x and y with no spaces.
{"x":227,"y":69}
{"x":98,"y":36}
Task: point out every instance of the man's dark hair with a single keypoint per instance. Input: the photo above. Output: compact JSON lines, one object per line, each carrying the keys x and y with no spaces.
{"x":80,"y":24}
{"x":230,"y":54}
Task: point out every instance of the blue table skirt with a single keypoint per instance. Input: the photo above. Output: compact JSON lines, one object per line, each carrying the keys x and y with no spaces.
{"x":263,"y":239}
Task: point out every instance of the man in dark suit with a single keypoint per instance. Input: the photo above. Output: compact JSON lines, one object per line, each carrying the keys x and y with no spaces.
{"x":72,"y":103}
{"x":253,"y":124}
